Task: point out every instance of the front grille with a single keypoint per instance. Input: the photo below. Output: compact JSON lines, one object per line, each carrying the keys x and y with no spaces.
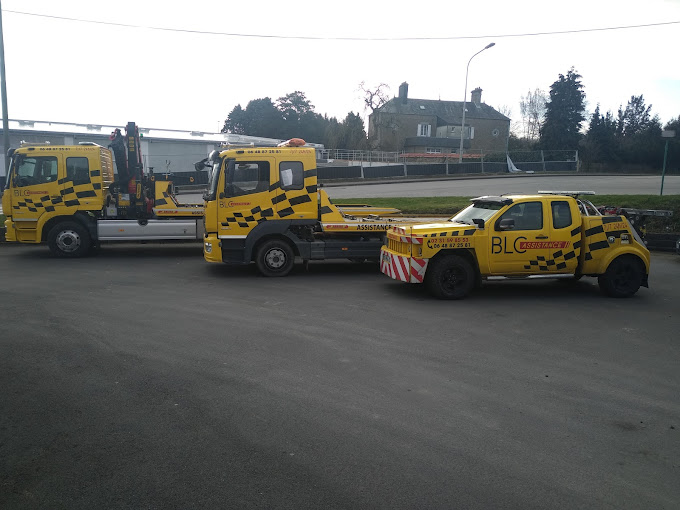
{"x":399,"y":247}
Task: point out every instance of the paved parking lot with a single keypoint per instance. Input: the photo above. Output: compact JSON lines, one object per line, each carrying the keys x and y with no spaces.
{"x":145,"y":378}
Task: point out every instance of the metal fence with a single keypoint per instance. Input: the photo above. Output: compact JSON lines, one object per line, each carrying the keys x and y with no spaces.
{"x":412,"y":165}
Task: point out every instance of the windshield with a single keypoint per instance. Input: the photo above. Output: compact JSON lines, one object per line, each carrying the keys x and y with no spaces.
{"x":478,"y":210}
{"x":213,"y":178}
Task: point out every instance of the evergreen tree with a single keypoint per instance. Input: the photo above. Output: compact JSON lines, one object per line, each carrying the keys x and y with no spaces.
{"x":260,"y":118}
{"x":564,"y":113}
{"x":639,"y":133}
{"x":600,"y":143}
{"x":636,"y":118}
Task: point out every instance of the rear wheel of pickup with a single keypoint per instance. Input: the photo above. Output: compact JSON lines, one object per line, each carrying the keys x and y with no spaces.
{"x":69,"y":239}
{"x":450,"y":277}
{"x":622,"y":278}
{"x":275,"y":258}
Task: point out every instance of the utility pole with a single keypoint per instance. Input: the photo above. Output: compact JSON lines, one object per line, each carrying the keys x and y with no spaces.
{"x":665,"y":134}
{"x":3,"y":86}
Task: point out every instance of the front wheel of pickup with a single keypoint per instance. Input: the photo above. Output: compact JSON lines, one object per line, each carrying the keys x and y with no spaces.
{"x":275,"y":258}
{"x":450,"y":277}
{"x":69,"y":239}
{"x":622,"y":278}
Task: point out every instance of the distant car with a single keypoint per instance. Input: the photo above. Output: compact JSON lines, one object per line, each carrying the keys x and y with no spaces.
{"x":677,"y":246}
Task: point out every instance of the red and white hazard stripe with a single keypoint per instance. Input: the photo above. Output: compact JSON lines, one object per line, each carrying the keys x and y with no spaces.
{"x":402,"y":268}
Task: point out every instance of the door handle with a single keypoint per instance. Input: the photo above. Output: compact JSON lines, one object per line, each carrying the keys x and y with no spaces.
{"x":541,"y":237}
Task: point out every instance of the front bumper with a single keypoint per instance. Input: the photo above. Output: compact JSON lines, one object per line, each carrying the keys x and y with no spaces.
{"x":212,"y":249}
{"x":402,"y":267}
{"x":10,"y":233}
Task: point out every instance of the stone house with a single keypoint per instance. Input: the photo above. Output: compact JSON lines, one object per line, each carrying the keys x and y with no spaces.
{"x":434,"y":126}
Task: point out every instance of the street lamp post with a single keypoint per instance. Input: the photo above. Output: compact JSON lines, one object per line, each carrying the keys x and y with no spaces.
{"x":462,"y":125}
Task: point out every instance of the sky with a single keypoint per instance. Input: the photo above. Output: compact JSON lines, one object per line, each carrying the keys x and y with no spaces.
{"x":181,"y":65}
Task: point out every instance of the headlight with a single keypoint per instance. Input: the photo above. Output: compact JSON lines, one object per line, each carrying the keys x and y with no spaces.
{"x":207,"y":247}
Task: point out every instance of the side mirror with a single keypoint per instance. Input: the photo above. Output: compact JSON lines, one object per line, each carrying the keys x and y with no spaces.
{"x":506,"y":224}
{"x":200,"y":165}
{"x":479,"y":222}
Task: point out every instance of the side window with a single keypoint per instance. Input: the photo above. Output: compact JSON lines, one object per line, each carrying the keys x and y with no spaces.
{"x":561,"y":214}
{"x":292,"y":175}
{"x":35,"y":170}
{"x":527,"y":216}
{"x":246,"y":177}
{"x":78,"y":170}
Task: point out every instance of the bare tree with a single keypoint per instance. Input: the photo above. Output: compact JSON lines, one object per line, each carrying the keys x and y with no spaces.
{"x":532,"y":108}
{"x":374,"y":97}
{"x":515,"y":126}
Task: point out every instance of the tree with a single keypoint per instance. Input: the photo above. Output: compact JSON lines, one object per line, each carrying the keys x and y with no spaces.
{"x":636,"y":117}
{"x":532,"y":108}
{"x":639,"y":133}
{"x":374,"y":97}
{"x":293,"y":116}
{"x":260,"y":118}
{"x":564,"y":113}
{"x":353,"y":132}
{"x":600,"y":143}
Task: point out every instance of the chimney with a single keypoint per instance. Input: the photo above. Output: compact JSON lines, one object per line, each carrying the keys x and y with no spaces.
{"x":403,"y":92}
{"x":477,"y":96}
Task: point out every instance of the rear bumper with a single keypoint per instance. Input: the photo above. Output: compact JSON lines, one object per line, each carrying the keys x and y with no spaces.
{"x":401,"y":267}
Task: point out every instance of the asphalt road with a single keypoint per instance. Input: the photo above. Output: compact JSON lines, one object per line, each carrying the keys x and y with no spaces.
{"x":470,"y":187}
{"x":146,"y":378}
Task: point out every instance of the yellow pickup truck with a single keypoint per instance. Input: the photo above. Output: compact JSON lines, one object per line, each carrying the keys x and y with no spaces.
{"x":546,"y":235}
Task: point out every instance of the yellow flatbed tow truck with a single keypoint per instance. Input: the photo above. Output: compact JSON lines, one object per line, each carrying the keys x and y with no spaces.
{"x":264,"y":205}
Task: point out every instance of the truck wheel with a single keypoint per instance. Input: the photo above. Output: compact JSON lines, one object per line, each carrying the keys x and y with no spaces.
{"x":622,"y":278}
{"x":275,"y":258}
{"x":69,"y":239}
{"x":450,"y":277}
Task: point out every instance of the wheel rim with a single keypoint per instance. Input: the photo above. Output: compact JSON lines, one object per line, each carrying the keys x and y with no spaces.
{"x":275,"y":258}
{"x":68,"y":241}
{"x":452,"y":279}
{"x":624,"y":278}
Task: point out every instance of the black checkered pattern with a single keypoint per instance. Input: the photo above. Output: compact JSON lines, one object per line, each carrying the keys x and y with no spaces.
{"x":69,"y":195}
{"x":287,"y":203}
{"x":557,"y":261}
{"x":453,"y":233}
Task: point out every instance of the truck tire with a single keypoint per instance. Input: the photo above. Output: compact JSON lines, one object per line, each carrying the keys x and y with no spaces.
{"x":275,"y":258}
{"x":622,"y":278}
{"x":69,"y":239}
{"x":450,"y":277}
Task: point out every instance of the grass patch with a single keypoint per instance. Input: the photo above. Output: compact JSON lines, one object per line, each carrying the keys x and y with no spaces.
{"x":451,"y":205}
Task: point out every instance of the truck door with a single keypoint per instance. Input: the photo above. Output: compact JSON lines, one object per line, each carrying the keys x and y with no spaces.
{"x":36,"y":187}
{"x":565,"y":245}
{"x":520,"y":240}
{"x":292,"y":198}
{"x":245,"y":200}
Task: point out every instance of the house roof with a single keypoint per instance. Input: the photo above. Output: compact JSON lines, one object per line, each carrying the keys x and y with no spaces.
{"x":451,"y":112}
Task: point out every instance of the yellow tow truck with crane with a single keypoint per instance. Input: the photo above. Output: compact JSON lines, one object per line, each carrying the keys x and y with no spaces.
{"x":69,"y":197}
{"x":546,"y":235}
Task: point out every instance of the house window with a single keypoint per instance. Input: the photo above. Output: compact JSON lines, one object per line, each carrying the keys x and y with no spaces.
{"x":468,"y":133}
{"x":433,"y":150}
{"x":424,"y":129}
